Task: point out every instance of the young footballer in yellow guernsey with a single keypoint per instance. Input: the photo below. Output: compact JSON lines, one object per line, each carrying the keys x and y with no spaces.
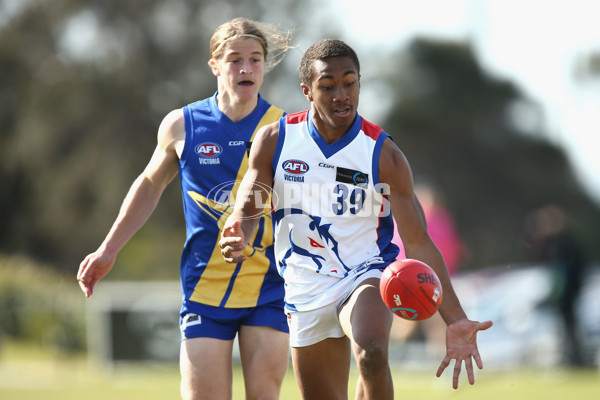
{"x":207,"y":143}
{"x":332,"y":175}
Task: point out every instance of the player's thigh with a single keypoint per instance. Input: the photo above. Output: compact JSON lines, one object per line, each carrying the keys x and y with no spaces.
{"x":364,"y":317}
{"x":264,"y":353}
{"x":322,"y":369}
{"x":206,"y":371}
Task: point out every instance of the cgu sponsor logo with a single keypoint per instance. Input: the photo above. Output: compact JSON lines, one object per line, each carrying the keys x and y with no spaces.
{"x":295,"y":167}
{"x":209,"y":150}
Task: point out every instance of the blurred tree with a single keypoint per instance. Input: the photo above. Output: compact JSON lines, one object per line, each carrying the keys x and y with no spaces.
{"x":479,"y":139}
{"x":587,"y":68}
{"x":84,"y":86}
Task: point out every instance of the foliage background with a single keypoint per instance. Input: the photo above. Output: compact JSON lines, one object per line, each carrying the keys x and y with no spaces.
{"x":85,"y":84}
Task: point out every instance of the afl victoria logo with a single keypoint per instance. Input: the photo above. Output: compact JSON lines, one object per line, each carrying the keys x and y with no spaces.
{"x":209,"y":150}
{"x":295,"y":167}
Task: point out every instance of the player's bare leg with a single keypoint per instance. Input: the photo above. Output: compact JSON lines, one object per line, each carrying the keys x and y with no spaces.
{"x":205,"y":365}
{"x":322,"y":369}
{"x":367,"y":322}
{"x":265,"y":354}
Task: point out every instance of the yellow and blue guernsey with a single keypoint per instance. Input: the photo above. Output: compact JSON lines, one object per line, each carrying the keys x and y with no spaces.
{"x":211,"y":167}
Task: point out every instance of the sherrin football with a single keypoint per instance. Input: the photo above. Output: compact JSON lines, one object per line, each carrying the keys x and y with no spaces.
{"x":411,"y":289}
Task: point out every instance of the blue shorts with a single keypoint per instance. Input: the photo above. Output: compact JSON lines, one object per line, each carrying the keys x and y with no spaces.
{"x":224,"y":323}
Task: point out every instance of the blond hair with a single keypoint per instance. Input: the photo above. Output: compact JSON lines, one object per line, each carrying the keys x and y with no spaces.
{"x":275,"y":42}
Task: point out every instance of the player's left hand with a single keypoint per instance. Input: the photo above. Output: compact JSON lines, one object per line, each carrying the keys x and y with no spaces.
{"x":232,"y":242}
{"x":461,"y":345}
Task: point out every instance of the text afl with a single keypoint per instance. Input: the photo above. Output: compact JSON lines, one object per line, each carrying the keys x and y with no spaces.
{"x":295,"y":167}
{"x":209,"y":150}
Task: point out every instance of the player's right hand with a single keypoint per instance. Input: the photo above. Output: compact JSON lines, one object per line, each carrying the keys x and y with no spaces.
{"x":93,"y":268}
{"x":232,"y":242}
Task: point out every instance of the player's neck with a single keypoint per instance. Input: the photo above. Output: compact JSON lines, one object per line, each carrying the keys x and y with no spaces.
{"x":236,"y":109}
{"x":331,"y":133}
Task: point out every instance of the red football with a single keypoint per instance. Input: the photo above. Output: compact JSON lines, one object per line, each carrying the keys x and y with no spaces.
{"x":411,"y":289}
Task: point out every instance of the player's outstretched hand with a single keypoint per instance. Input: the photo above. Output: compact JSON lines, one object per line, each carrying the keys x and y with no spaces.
{"x":461,"y":345}
{"x":93,"y":268}
{"x":232,"y":242}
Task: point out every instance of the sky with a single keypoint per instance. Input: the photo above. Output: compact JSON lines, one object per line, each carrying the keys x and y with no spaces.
{"x":537,"y":44}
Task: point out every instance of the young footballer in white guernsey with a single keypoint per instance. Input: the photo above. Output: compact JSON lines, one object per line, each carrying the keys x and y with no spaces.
{"x":207,"y":144}
{"x":333,"y":176}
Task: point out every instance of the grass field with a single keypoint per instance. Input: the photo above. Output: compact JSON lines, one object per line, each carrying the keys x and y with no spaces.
{"x":32,"y":374}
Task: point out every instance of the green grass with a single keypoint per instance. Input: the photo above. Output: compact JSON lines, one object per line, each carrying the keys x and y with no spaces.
{"x":27,"y":373}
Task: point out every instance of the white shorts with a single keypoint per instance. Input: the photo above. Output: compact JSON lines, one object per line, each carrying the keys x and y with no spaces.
{"x":313,"y":326}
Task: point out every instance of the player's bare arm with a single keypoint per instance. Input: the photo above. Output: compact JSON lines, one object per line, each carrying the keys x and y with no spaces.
{"x":148,"y":187}
{"x":252,"y":195}
{"x":461,"y":344}
{"x":395,"y":172}
{"x":139,"y":203}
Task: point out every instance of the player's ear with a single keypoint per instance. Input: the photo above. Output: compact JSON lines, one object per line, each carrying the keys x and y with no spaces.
{"x":306,"y":92}
{"x":214,"y":66}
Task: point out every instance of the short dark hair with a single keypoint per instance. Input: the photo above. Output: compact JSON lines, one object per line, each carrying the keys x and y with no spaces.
{"x":322,"y":50}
